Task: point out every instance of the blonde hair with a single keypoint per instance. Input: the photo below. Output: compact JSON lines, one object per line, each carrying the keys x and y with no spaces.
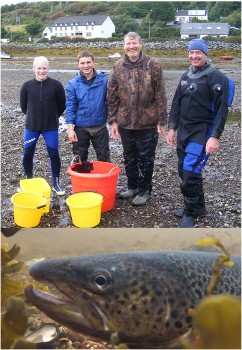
{"x":41,"y":59}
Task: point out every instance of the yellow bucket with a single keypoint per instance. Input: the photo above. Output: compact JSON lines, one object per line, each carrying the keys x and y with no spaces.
{"x":28,"y":208}
{"x":39,"y":185}
{"x":85,"y":208}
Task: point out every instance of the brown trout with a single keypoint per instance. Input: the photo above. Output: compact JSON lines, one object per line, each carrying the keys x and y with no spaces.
{"x":144,"y":297}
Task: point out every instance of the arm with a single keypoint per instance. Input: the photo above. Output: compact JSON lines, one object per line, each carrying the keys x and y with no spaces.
{"x":160,"y":96}
{"x":23,"y":98}
{"x":112,"y":98}
{"x":71,"y":104}
{"x":61,"y":99}
{"x":219,"y":88}
{"x":174,"y":115}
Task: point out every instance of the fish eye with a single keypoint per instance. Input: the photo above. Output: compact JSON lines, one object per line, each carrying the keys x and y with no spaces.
{"x":101,"y":280}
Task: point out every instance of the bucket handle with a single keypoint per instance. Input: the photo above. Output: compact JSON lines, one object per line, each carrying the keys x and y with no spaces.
{"x":41,"y":206}
{"x":112,"y":169}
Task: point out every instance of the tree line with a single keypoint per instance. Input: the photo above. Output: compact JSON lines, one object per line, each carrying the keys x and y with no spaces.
{"x":149,"y":18}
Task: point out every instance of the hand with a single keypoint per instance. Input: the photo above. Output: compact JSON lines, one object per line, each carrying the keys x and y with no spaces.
{"x":114,"y":131}
{"x":212,"y":145}
{"x":161,"y":130}
{"x":170,"y":139}
{"x":72,"y":136}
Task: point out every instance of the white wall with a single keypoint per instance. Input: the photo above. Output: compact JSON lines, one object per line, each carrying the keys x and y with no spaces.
{"x":97,"y":31}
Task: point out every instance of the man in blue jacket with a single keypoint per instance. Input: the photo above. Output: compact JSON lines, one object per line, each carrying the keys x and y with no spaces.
{"x":86,"y":111}
{"x":198,"y":112}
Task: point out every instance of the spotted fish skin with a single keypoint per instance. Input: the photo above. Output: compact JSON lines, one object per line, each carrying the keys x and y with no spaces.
{"x":144,"y":296}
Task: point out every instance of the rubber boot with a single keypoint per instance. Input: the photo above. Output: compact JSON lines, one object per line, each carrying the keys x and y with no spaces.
{"x":56,"y":187}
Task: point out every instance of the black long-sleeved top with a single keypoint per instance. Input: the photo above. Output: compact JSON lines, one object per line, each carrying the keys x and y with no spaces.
{"x":200,"y":104}
{"x":42,"y":103}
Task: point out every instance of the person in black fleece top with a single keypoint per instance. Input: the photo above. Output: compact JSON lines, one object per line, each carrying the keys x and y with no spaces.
{"x":42,"y":100}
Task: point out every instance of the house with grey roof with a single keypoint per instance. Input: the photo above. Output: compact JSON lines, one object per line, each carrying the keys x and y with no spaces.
{"x":199,"y":30}
{"x":88,"y":27}
{"x":187,"y":15}
{"x":47,"y":33}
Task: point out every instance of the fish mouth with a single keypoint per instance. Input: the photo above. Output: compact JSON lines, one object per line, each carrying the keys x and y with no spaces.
{"x":64,"y":311}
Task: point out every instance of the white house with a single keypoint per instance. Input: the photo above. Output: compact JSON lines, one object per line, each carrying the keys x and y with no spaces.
{"x":47,"y":33}
{"x":187,"y":15}
{"x":199,"y":30}
{"x":93,"y":26}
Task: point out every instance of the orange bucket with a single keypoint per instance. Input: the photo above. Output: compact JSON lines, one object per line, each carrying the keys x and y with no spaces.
{"x":102,"y":178}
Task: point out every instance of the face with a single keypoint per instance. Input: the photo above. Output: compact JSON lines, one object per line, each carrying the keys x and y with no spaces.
{"x":86,"y":66}
{"x":197,"y":58}
{"x":132,"y":47}
{"x":41,"y":71}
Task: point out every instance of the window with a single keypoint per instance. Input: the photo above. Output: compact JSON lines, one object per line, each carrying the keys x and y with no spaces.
{"x":92,"y":27}
{"x":209,"y":27}
{"x":88,"y":34}
{"x":87,"y":28}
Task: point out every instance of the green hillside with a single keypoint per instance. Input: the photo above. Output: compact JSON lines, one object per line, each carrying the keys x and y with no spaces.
{"x":25,"y":19}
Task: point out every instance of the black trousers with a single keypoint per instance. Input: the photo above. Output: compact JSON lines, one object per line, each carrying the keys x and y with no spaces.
{"x":99,"y":140}
{"x":191,"y":188}
{"x":139,"y":155}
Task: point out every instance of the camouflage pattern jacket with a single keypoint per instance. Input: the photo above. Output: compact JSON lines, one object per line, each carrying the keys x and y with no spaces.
{"x":136,"y":97}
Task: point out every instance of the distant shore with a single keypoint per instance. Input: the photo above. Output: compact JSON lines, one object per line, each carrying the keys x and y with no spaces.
{"x":102,"y":48}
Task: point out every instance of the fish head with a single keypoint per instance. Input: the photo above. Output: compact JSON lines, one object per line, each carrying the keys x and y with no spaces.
{"x":128,"y":294}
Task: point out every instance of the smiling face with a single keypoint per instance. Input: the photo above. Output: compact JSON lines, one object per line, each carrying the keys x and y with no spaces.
{"x":197,"y":58}
{"x":86,"y":66}
{"x":41,"y":70}
{"x":132,"y":47}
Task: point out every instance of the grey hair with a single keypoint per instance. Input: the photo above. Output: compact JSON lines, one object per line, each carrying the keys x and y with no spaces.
{"x":133,"y":35}
{"x":41,"y":59}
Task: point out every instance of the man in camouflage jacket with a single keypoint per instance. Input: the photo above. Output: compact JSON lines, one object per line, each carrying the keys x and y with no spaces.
{"x":137,"y":112}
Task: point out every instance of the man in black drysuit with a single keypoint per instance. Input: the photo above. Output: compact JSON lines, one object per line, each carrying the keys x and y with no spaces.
{"x":198,"y":112}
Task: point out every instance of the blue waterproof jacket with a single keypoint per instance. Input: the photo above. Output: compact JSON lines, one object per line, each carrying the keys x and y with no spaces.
{"x":85,"y":101}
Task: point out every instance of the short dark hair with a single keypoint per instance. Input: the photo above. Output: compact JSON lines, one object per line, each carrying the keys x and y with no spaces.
{"x":85,"y":53}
